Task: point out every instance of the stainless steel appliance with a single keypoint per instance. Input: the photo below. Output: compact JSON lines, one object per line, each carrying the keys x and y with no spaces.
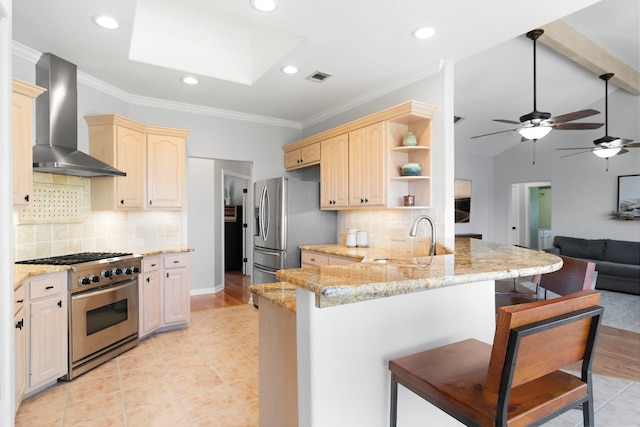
{"x":287,"y":214}
{"x":103,"y":306}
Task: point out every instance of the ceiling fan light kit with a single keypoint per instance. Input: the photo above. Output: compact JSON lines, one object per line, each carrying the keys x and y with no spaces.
{"x":534,"y":133}
{"x":605,"y":153}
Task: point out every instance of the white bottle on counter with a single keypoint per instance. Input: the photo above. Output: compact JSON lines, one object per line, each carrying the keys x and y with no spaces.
{"x":351,"y":237}
{"x":362,"y":239}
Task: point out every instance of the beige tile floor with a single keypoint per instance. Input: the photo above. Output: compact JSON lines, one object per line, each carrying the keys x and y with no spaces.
{"x":205,"y":375}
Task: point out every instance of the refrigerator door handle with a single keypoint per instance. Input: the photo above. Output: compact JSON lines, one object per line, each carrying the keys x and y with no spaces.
{"x":264,"y":209}
{"x":265,"y":270}
{"x":268,"y":252}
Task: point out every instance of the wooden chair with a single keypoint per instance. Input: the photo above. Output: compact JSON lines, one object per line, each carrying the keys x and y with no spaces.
{"x":574,"y":275}
{"x":518,"y":380}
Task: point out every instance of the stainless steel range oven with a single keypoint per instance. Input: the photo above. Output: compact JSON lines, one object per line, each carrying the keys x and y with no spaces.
{"x":103,"y":306}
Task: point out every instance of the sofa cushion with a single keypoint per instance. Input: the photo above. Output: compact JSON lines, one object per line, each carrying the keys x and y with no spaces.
{"x":618,"y":269}
{"x":622,"y":252}
{"x":580,"y":248}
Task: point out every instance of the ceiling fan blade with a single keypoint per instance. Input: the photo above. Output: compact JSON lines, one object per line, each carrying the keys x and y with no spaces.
{"x":573,"y":154}
{"x":623,"y":151}
{"x":577,"y":126}
{"x":511,"y":122}
{"x":631,"y":145}
{"x":576,"y":148}
{"x":574,"y":116}
{"x":493,"y":133}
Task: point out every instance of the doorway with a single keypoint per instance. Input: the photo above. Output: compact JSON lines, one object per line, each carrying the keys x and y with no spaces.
{"x":530,"y":215}
{"x":236,"y":209}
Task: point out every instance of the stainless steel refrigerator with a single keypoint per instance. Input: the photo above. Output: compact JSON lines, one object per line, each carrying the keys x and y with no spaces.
{"x":287,"y":214}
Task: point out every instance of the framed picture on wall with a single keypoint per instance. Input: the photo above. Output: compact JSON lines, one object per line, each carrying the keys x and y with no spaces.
{"x":629,"y":195}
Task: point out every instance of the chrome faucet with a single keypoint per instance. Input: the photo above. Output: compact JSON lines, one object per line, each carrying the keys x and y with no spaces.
{"x":414,"y":230}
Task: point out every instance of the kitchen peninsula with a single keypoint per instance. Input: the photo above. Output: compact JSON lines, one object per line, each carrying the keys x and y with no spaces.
{"x":351,"y":319}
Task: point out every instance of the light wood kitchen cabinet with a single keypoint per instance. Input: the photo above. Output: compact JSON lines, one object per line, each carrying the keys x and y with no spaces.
{"x":20,"y":333}
{"x":164,"y":292}
{"x":367,"y":166}
{"x":375,"y":156}
{"x":152,"y":157}
{"x":334,"y":172}
{"x":296,"y":157}
{"x":165,"y":170}
{"x":176,"y":290}
{"x":47,"y":350}
{"x":150,"y":296}
{"x":119,"y":142}
{"x":313,"y":258}
{"x":22,"y":121}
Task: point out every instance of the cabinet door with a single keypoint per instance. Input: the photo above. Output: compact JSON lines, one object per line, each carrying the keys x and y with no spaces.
{"x":310,"y":155}
{"x":20,"y":355}
{"x":131,"y":156}
{"x":374,"y":166}
{"x":165,"y":171}
{"x":334,"y":172}
{"x":150,"y":302}
{"x":176,"y":296}
{"x":22,"y":149}
{"x":367,"y":173}
{"x":48,"y":340}
{"x":292,"y":159}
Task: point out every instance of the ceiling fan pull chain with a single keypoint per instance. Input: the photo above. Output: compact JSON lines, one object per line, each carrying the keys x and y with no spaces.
{"x":534,"y":151}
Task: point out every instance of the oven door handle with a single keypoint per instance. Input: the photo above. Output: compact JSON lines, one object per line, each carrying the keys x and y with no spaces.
{"x":109,"y":288}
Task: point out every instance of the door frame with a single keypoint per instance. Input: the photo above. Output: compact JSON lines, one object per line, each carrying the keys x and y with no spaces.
{"x":519,"y":216}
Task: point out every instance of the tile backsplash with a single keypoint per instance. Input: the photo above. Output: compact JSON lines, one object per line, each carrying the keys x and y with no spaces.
{"x":52,"y":225}
{"x":389,"y":228}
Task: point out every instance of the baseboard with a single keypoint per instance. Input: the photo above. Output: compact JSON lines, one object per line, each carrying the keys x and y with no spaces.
{"x":205,"y":291}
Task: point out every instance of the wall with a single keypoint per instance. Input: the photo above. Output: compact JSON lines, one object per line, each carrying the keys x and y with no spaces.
{"x":584,"y":192}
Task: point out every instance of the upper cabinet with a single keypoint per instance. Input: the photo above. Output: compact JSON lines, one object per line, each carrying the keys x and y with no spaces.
{"x":361,"y":161}
{"x":300,"y":156}
{"x":152,"y":157}
{"x":22,"y":111}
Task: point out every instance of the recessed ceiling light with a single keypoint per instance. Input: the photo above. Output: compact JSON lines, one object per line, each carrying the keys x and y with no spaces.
{"x":264,"y":5}
{"x":289,"y":69}
{"x":190,"y":80}
{"x":105,"y":21}
{"x":423,"y":33}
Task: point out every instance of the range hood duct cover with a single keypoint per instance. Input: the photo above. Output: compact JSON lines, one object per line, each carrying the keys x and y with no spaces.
{"x":56,"y":149}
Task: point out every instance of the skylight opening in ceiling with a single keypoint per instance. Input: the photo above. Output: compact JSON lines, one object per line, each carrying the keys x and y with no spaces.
{"x":199,"y":39}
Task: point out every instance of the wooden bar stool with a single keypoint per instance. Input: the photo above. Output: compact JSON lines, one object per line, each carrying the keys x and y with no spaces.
{"x":518,"y":380}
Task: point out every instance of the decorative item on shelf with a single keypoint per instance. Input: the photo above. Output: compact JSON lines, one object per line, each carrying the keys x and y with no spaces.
{"x":362,"y":239}
{"x":410,"y":169}
{"x":409,"y":139}
{"x":351,"y":237}
{"x":409,"y":200}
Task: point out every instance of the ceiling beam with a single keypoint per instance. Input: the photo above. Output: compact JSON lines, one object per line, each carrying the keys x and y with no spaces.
{"x":569,"y":42}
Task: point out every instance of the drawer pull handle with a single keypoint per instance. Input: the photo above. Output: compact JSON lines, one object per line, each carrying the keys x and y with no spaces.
{"x":20,"y":301}
{"x":153,"y":265}
{"x":60,"y":304}
{"x":49,"y":287}
{"x":148,"y":280}
{"x":175,"y":262}
{"x":20,"y":324}
{"x":313,"y":259}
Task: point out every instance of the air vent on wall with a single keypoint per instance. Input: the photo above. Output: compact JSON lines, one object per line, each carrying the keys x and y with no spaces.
{"x":319,"y":76}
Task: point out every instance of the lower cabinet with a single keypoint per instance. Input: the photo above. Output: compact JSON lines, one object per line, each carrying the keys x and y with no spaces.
{"x":311,"y":258}
{"x":164,"y":292}
{"x":47,"y":350}
{"x":19,"y":321}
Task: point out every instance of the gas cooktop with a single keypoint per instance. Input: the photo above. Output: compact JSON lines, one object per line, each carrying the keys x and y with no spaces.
{"x":75,"y":258}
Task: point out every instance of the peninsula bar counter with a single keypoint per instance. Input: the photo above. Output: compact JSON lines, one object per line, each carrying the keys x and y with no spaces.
{"x":350,"y":320}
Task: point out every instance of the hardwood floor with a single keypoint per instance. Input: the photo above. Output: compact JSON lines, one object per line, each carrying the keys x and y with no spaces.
{"x":617,"y":350}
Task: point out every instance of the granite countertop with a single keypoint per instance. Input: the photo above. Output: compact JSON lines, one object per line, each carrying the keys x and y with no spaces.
{"x":472,"y":260}
{"x":23,"y":271}
{"x":281,"y":294}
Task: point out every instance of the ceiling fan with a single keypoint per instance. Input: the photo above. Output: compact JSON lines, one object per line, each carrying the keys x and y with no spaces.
{"x":607,"y":146}
{"x":537,"y":124}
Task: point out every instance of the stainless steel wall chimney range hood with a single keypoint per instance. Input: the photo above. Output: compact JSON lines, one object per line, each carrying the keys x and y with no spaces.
{"x":56,"y":149}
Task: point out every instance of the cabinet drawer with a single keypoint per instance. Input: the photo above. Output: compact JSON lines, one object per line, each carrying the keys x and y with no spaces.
{"x":19,"y":298}
{"x":45,"y":287}
{"x":175,"y":260}
{"x":150,"y":264}
{"x":313,"y":258}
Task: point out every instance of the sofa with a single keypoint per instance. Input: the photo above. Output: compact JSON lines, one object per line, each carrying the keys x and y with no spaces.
{"x":617,"y":262}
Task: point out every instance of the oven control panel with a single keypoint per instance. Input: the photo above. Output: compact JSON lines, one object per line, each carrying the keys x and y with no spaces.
{"x":105,"y":273}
